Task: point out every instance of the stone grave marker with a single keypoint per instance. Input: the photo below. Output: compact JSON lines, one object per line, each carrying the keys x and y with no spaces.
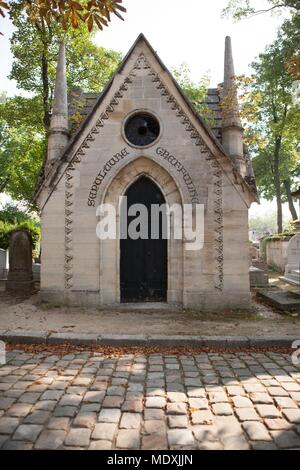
{"x":3,"y":264}
{"x":20,"y":277}
{"x":292,"y":269}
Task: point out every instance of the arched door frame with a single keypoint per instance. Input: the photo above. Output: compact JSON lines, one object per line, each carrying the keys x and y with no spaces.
{"x":110,"y":249}
{"x":144,"y":263}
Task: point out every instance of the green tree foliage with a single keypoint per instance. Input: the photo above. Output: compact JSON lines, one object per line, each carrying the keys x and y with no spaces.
{"x":263,"y":224}
{"x":290,"y":29}
{"x":290,"y":37}
{"x":13,"y":217}
{"x":239,"y":9}
{"x":24,"y":121}
{"x":22,"y":146}
{"x":13,"y":214}
{"x":272,"y":120}
{"x":272,"y":106}
{"x":35,"y":54}
{"x":6,"y":230}
{"x":20,"y":161}
{"x":195,"y":91}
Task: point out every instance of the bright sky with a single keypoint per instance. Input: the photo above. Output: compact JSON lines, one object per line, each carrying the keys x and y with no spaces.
{"x":190,"y":31}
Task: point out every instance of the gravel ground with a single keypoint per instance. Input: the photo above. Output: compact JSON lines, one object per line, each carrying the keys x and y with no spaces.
{"x":28,"y":314}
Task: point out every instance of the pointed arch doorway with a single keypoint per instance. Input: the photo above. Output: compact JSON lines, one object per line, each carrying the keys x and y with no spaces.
{"x":143,"y":262}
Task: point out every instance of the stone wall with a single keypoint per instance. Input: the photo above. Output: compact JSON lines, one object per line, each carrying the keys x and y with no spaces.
{"x":3,"y":264}
{"x":276,"y":254}
{"x":187,"y":166}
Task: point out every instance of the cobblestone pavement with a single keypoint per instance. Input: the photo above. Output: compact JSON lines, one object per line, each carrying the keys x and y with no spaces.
{"x":202,"y":401}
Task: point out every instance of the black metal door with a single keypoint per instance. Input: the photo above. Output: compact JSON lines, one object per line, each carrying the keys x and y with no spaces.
{"x":143,"y":262}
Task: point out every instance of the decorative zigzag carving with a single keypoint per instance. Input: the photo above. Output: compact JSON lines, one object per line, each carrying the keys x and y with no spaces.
{"x":217,"y":175}
{"x":142,"y":64}
{"x":68,"y":263}
{"x":218,"y":219}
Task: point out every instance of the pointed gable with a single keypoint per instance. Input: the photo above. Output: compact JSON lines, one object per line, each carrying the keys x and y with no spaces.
{"x":143,"y":65}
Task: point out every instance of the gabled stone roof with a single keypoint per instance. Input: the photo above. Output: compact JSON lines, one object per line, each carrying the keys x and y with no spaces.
{"x":213,"y":101}
{"x":82,"y":103}
{"x":85,"y":105}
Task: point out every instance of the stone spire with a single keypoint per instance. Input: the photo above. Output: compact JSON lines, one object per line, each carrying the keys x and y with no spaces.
{"x":232,"y":130}
{"x":59,"y":132}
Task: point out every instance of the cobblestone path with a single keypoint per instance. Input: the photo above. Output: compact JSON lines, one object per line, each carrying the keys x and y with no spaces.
{"x":202,"y":401}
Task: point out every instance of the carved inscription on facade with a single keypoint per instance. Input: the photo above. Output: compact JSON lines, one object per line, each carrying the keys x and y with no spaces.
{"x":102,"y":173}
{"x":181,"y":169}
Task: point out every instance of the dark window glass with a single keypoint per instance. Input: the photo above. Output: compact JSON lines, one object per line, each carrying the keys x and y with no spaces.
{"x":142,"y":129}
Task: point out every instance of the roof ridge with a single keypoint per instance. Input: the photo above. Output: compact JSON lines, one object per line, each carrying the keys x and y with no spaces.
{"x":208,"y":131}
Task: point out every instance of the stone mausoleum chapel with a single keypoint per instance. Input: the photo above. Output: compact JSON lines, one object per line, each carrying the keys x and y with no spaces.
{"x":142,"y":138}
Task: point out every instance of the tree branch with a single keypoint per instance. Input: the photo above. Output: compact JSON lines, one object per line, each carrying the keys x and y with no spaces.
{"x":267,"y":10}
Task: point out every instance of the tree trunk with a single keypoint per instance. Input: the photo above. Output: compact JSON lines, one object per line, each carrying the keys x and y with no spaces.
{"x":45,"y":79}
{"x":277,"y":183}
{"x":293,"y":211}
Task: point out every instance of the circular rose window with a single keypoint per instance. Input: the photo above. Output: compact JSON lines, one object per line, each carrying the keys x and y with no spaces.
{"x":142,"y":129}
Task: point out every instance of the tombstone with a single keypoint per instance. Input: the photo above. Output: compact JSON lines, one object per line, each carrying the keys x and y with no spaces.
{"x":260,"y":264}
{"x":20,"y":277}
{"x":3,"y":268}
{"x":36,"y":270}
{"x":258,"y":278}
{"x":253,"y":252}
{"x":292,"y":269}
{"x":3,"y":264}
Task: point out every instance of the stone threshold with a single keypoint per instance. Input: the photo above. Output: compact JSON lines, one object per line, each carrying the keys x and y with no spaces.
{"x":90,"y":339}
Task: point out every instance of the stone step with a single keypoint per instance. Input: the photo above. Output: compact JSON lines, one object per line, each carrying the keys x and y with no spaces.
{"x":280,"y":299}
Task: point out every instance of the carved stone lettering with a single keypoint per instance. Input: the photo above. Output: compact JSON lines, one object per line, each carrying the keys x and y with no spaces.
{"x":181,"y":169}
{"x":102,"y":173}
{"x":143,"y":66}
